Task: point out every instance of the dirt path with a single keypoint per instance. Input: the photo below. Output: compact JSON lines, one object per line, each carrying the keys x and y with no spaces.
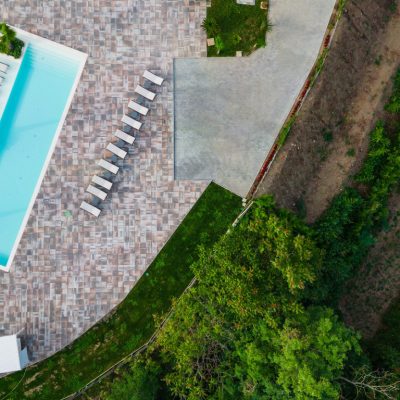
{"x":329,"y":138}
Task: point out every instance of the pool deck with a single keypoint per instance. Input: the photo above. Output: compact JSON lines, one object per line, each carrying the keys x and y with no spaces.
{"x":71,"y":269}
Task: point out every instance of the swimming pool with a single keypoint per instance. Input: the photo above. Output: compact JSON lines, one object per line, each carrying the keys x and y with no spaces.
{"x":29,"y":127}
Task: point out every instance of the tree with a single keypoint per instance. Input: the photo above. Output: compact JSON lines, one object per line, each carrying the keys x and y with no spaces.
{"x":141,"y":382}
{"x":312,"y":350}
{"x":374,"y":384}
{"x":248,"y":285}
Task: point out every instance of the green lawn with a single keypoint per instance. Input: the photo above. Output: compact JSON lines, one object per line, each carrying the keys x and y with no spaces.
{"x":132,"y":323}
{"x":235,"y":27}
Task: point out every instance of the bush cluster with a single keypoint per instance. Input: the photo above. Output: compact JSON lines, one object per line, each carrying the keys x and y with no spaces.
{"x":9,"y":43}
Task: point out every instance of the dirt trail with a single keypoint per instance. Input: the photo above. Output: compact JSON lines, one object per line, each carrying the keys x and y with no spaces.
{"x":329,"y":137}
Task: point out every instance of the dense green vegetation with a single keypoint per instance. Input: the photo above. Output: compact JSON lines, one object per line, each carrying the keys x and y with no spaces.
{"x":9,"y":43}
{"x":244,"y":331}
{"x":235,"y":27}
{"x":132,"y":323}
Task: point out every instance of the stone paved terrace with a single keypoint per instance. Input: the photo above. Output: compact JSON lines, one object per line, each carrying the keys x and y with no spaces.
{"x":70,"y":271}
{"x":228,"y":111}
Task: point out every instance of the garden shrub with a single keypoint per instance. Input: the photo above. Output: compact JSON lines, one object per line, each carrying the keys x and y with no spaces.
{"x":9,"y":43}
{"x":379,"y":146}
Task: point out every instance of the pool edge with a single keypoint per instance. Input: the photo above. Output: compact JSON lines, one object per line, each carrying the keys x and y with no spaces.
{"x":82,"y":62}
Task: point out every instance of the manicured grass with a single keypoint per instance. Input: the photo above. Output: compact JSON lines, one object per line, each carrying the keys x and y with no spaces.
{"x":235,"y":27}
{"x":132,"y":322}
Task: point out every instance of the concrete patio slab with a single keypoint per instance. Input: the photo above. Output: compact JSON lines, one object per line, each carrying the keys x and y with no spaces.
{"x":228,"y":111}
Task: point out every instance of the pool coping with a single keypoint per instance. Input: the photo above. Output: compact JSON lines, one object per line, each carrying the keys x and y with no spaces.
{"x":28,"y":38}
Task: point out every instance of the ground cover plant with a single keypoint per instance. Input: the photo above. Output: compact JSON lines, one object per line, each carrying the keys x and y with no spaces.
{"x":235,"y":27}
{"x":132,"y":323}
{"x":9,"y":43}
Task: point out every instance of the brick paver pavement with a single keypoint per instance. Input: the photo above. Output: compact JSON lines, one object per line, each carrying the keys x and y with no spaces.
{"x":70,"y":271}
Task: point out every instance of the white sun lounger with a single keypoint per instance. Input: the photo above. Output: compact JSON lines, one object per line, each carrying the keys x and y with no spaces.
{"x":145,"y":93}
{"x":138,"y":108}
{"x":1,"y":79}
{"x":102,"y":182}
{"x":108,"y":166}
{"x":124,"y":136}
{"x":96,"y":192}
{"x":131,"y":122}
{"x":116,"y":150}
{"x":153,"y":78}
{"x":3,"y":67}
{"x":90,"y":209}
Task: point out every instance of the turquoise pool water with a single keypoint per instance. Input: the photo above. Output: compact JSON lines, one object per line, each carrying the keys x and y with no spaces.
{"x":27,"y":130}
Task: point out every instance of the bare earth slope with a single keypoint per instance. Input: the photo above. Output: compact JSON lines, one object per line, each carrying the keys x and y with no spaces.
{"x":328,"y":139}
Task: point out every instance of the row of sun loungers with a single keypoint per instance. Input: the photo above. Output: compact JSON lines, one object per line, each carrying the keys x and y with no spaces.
{"x":116,"y":150}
